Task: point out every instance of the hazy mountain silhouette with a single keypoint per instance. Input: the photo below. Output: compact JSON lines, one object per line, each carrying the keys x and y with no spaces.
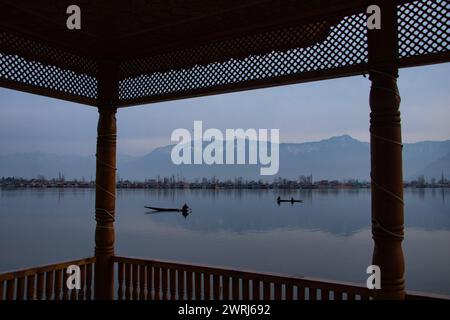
{"x":341,"y":157}
{"x":437,"y":168}
{"x":28,"y":165}
{"x":33,"y":164}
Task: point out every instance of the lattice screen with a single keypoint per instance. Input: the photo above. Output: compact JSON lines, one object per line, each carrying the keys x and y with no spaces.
{"x":345,"y":45}
{"x":78,"y":79}
{"x":423,"y":27}
{"x":423,"y":30}
{"x":235,"y":48}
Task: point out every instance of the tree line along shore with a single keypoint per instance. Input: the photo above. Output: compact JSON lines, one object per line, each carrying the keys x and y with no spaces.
{"x":213,"y":183}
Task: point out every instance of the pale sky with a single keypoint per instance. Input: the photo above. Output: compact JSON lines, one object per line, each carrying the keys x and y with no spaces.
{"x":303,"y":112}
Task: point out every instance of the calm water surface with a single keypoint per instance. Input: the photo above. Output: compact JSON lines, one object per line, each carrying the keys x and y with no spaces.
{"x":327,"y":236}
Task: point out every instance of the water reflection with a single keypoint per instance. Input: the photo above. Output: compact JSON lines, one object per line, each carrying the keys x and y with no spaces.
{"x":327,"y":235}
{"x":339,"y":212}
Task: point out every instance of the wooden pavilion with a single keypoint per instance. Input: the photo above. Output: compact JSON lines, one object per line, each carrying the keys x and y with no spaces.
{"x":141,"y":51}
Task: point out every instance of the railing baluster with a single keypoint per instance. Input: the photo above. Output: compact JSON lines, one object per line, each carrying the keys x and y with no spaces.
{"x":157,"y":279}
{"x":207,"y":289}
{"x":245,"y":289}
{"x":120,"y":271}
{"x":20,"y":288}
{"x":1,"y":290}
{"x":58,"y":284}
{"x":10,"y":288}
{"x":189,"y":284}
{"x":73,"y":294}
{"x":267,"y":295}
{"x":235,"y":288}
{"x":142,"y":282}
{"x":216,"y":286}
{"x":165,"y":287}
{"x":198,"y":285}
{"x":89,"y":281}
{"x":30,"y":287}
{"x":226,"y":287}
{"x":40,"y":286}
{"x":135,"y":281}
{"x":49,"y":284}
{"x":127,"y":281}
{"x":149,"y":282}
{"x":173,"y":284}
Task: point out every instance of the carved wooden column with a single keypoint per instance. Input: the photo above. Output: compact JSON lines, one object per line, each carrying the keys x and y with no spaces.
{"x":386,"y":155}
{"x":105,"y":184}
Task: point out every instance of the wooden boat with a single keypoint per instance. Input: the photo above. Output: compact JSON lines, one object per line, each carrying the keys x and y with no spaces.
{"x":164,"y":209}
{"x":291,"y":201}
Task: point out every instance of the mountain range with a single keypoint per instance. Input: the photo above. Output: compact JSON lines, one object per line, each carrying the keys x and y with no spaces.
{"x":341,"y":157}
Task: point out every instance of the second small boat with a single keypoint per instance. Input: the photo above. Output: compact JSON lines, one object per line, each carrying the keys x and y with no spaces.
{"x":292,"y":200}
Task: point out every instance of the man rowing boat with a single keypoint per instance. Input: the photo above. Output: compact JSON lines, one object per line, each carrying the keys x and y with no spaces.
{"x":279,"y":200}
{"x":184,"y":208}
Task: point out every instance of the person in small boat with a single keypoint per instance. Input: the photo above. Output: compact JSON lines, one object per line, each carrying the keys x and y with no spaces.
{"x":185,"y":208}
{"x":278,"y":199}
{"x":292,"y":199}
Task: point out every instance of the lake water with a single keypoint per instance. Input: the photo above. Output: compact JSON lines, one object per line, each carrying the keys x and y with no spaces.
{"x":326,"y":236}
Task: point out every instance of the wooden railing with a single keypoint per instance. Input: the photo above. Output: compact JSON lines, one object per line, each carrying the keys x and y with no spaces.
{"x":140,"y":279}
{"x":47,"y":282}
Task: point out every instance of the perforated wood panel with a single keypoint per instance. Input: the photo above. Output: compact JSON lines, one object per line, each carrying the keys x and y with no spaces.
{"x":34,"y":65}
{"x":325,"y":48}
{"x":423,"y":33}
{"x":423,"y":28}
{"x":345,"y":45}
{"x":235,"y":48}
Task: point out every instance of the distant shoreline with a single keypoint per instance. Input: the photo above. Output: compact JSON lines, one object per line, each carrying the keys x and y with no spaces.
{"x":302,"y":183}
{"x":177,"y":188}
